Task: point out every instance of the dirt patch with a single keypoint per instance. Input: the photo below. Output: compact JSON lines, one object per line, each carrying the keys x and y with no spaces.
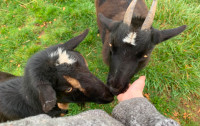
{"x":187,"y":110}
{"x":191,"y":107}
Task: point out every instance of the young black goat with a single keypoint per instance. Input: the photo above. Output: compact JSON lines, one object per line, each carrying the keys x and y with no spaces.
{"x":128,"y":38}
{"x":56,"y":75}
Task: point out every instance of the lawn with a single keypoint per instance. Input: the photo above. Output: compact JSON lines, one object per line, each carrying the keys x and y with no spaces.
{"x":173,"y":74}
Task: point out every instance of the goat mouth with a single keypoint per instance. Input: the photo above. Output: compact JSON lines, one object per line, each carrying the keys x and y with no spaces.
{"x":105,"y":99}
{"x":114,"y":91}
{"x":117,"y":91}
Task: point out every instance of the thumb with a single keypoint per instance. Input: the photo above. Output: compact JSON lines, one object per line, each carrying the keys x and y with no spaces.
{"x":138,"y":84}
{"x":135,"y":90}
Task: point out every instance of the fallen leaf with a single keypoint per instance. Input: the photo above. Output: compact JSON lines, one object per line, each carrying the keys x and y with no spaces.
{"x":63,"y":8}
{"x":175,"y":113}
{"x":54,"y":19}
{"x":147,"y":96}
{"x":186,"y":115}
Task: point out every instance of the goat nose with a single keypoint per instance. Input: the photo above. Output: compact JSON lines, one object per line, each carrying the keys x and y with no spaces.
{"x":107,"y":96}
{"x":114,"y":91}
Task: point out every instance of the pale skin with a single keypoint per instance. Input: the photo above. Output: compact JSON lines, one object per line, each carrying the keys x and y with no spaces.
{"x":135,"y":90}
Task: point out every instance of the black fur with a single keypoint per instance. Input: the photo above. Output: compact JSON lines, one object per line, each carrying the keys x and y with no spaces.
{"x":43,"y":85}
{"x":101,"y":2}
{"x":5,"y":76}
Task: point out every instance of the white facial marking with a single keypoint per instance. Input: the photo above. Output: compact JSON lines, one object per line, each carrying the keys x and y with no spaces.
{"x":130,"y":38}
{"x":63,"y":57}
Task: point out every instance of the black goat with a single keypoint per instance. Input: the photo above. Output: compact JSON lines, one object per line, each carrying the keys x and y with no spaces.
{"x":56,"y":75}
{"x":128,"y":38}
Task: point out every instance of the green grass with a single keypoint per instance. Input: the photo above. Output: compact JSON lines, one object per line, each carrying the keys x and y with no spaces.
{"x":173,"y":73}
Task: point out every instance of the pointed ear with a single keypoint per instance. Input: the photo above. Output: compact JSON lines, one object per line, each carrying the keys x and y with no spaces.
{"x":106,"y":22}
{"x":74,"y":42}
{"x":169,"y":33}
{"x":47,"y":96}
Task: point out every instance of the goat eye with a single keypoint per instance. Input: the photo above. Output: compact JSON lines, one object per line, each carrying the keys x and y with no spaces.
{"x":145,"y":56}
{"x":69,"y":89}
{"x":111,"y":48}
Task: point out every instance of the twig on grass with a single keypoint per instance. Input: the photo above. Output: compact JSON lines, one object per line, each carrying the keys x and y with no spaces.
{"x":90,"y":52}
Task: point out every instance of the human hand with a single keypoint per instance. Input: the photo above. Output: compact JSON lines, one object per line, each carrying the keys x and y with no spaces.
{"x":134,"y":90}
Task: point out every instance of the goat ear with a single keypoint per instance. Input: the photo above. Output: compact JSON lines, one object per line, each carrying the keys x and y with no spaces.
{"x":47,"y":97}
{"x":74,"y":42}
{"x":169,"y":33}
{"x":108,"y":23}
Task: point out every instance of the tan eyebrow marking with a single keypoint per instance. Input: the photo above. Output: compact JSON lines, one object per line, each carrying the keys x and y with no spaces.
{"x":74,"y":83}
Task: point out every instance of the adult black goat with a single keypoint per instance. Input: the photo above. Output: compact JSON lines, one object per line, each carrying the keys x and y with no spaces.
{"x":56,"y":75}
{"x":128,"y":38}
